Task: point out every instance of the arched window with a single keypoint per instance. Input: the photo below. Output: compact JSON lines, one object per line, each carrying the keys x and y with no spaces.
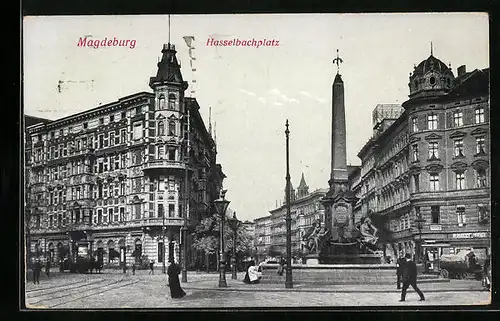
{"x":171,"y":101}
{"x":161,"y":128}
{"x":171,"y":128}
{"x":161,"y":102}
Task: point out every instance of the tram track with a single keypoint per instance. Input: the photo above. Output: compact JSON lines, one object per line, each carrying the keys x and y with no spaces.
{"x":96,"y":293}
{"x":61,"y":287}
{"x":82,"y":289}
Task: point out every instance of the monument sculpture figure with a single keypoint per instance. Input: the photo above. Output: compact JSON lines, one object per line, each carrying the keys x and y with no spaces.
{"x":368,"y":235}
{"x":315,"y":237}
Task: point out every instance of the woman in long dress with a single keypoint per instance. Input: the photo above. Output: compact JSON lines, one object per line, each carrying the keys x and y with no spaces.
{"x":173,"y":272}
{"x":253,"y":275}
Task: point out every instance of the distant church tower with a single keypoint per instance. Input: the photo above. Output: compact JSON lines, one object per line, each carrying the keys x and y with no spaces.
{"x":303,"y":189}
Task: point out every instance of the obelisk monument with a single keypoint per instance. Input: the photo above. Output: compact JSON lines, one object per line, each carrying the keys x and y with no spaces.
{"x":339,"y":201}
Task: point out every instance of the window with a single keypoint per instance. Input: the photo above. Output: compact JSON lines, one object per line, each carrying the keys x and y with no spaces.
{"x":123,"y":134}
{"x":171,"y":154}
{"x":481,"y":177}
{"x":99,"y":216}
{"x":117,"y":138}
{"x":458,"y":119}
{"x":171,"y":210}
{"x":460,"y":180}
{"x":101,"y":121}
{"x":101,"y":141}
{"x":161,"y":102}
{"x":138,"y":110}
{"x":137,"y":134}
{"x":416,"y":179}
{"x":171,"y":128}
{"x":117,"y":161}
{"x":480,"y":145}
{"x":85,"y":125}
{"x":414,"y":150}
{"x":171,"y":101}
{"x":434,"y":182}
{"x":52,"y":135}
{"x":483,"y":215}
{"x":414,"y":124}
{"x":479,"y":112}
{"x":122,"y":188}
{"x":137,"y":208}
{"x":161,"y":210}
{"x":161,"y":128}
{"x":124,"y":160}
{"x":161,"y":152}
{"x":111,"y":118}
{"x":51,"y":221}
{"x":432,"y":121}
{"x":462,"y":220}
{"x":433,"y":150}
{"x":111,"y":139}
{"x":110,"y":214}
{"x":459,"y":147}
{"x":38,"y":221}
{"x":123,"y":115}
{"x":122,"y":214}
{"x":435,"y":214}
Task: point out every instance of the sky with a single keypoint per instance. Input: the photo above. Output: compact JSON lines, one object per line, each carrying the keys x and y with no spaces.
{"x":252,"y":91}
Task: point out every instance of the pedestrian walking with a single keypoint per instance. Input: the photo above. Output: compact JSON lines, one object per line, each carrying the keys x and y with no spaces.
{"x":409,"y":275}
{"x":92,"y":263}
{"x":47,"y":267}
{"x":281,"y":267}
{"x":37,"y":267}
{"x":151,"y":267}
{"x":173,"y":271}
{"x":399,"y":270}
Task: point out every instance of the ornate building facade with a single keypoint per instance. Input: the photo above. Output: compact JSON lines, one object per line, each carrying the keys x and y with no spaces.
{"x":429,"y":161}
{"x":120,"y":179}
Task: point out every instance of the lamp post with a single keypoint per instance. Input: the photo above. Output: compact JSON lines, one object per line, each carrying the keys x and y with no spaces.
{"x":221,"y":205}
{"x":164,"y":270}
{"x":420,"y":223}
{"x":234,"y":225}
{"x":288,"y":279}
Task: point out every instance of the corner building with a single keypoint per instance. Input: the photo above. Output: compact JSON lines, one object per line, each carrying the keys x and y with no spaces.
{"x":120,"y":179}
{"x":432,"y":163}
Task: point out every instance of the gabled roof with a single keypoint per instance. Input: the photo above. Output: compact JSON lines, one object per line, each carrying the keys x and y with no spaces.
{"x":474,"y":82}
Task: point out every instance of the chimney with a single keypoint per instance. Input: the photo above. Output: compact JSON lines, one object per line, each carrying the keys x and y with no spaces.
{"x":461,"y":70}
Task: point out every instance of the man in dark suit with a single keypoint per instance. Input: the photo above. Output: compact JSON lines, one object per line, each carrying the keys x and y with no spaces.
{"x":399,"y":270}
{"x":409,"y":274}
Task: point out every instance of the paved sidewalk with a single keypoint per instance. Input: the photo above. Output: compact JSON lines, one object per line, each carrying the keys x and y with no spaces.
{"x":210,"y":281}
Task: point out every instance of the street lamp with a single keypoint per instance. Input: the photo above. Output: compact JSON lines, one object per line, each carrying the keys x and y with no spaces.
{"x":420,"y":223}
{"x":234,"y":224}
{"x":288,"y":278}
{"x":221,"y":205}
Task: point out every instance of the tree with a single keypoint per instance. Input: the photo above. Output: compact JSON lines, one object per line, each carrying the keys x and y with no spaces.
{"x":206,"y":237}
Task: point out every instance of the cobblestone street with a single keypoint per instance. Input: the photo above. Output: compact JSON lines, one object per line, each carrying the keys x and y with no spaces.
{"x":114,"y":289}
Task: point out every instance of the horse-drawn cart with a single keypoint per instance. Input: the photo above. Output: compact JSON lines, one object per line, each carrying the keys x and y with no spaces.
{"x":460,"y":266}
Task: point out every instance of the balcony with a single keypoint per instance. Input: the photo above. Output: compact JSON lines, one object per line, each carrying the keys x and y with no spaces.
{"x":160,"y":164}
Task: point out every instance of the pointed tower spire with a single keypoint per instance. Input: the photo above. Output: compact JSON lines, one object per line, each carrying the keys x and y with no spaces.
{"x":215,"y":135}
{"x":431,"y":49}
{"x":303,"y":189}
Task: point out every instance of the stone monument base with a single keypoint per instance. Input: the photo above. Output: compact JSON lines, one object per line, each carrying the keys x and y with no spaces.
{"x":312,"y":259}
